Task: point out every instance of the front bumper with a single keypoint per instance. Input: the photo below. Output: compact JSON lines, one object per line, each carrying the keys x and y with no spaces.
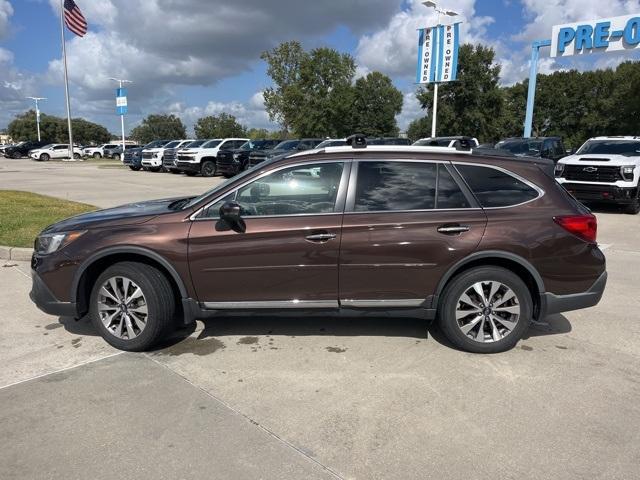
{"x":132,"y":161}
{"x":47,"y":302}
{"x":602,"y":193}
{"x":184,"y":166}
{"x":152,"y":162}
{"x":552,"y":303}
{"x":228,"y":167}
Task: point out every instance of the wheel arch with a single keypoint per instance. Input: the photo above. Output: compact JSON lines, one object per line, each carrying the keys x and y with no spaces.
{"x":92,"y":267}
{"x":515,"y":263}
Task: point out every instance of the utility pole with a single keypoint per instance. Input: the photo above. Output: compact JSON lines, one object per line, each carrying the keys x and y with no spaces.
{"x":121,"y":82}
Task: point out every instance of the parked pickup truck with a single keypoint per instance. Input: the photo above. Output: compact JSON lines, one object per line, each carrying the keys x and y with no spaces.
{"x":604,"y":169}
{"x":202,"y":159}
{"x":152,"y":158}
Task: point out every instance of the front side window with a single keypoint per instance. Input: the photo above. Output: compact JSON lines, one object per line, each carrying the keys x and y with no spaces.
{"x":305,"y":189}
{"x":495,"y":188}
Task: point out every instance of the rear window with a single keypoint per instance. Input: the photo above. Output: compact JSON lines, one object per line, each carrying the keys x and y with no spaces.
{"x":495,"y":188}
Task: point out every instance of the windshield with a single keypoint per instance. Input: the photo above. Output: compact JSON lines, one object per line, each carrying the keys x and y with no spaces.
{"x":212,"y":144}
{"x":173,"y":144}
{"x":44,"y":147}
{"x":520,"y":147}
{"x":287,"y":145}
{"x":195,"y":144}
{"x":629,"y":148}
{"x":155,"y":144}
{"x":256,"y":144}
{"x":331,"y":143}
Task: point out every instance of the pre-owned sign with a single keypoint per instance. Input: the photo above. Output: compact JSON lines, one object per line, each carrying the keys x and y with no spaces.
{"x":604,"y":35}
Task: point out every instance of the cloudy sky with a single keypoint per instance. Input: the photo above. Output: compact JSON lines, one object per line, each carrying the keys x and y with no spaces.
{"x":198,"y":57}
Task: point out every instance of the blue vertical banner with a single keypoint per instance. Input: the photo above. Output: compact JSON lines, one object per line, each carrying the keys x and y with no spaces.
{"x":121,"y":101}
{"x":438,"y":53}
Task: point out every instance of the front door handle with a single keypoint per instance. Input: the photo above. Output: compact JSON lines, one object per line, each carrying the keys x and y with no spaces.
{"x":453,"y":229}
{"x":320,"y":237}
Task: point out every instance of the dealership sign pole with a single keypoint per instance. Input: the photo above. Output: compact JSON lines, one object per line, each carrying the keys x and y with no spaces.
{"x":438,"y":56}
{"x":582,"y":38}
{"x":121,"y":105}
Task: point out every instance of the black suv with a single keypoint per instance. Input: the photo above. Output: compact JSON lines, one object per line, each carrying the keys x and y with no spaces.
{"x":283,"y":148}
{"x":22,"y":149}
{"x":543,"y":147}
{"x":231,"y":162}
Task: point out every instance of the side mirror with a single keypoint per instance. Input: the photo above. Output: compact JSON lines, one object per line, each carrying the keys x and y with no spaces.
{"x":230,"y":214}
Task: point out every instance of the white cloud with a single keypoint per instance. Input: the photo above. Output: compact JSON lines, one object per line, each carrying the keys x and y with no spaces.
{"x":6,"y":11}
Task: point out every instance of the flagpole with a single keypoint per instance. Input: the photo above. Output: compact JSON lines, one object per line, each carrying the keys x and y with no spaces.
{"x":66,"y":80}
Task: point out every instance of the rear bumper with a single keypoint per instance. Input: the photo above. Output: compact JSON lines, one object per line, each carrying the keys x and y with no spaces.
{"x":602,"y":193}
{"x":47,"y":302}
{"x":552,"y":303}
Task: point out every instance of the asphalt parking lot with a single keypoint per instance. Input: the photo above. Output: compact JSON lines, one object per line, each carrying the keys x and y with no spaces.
{"x":313,"y":397}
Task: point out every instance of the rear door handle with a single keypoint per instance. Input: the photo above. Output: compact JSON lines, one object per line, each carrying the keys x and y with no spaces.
{"x":320,"y":237}
{"x":453,"y":229}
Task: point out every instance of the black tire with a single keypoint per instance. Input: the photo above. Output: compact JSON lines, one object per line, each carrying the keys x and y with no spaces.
{"x":45,"y":157}
{"x":160,"y":303}
{"x":173,"y":170}
{"x":76,"y":156}
{"x":208,"y":168}
{"x":154,"y":169}
{"x":116,"y":156}
{"x":459,"y":285}
{"x":134,"y":168}
{"x":97,"y":155}
{"x":191,"y":174}
{"x":633,"y":208}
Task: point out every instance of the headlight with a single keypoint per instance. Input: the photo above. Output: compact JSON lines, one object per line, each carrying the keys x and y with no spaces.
{"x":627,"y":172}
{"x":559,"y":169}
{"x":51,"y":242}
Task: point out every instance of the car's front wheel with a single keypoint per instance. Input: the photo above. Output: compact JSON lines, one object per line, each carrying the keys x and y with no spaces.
{"x":132,"y":306}
{"x":116,"y":156}
{"x":134,"y":168}
{"x":485,"y":310}
{"x":44,"y":157}
{"x":208,"y":168}
{"x":634,"y":207}
{"x":97,"y":155}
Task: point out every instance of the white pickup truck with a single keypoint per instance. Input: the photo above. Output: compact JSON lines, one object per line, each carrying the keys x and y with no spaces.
{"x":97,"y":152}
{"x":604,"y":169}
{"x":202,"y":159}
{"x":152,"y":157}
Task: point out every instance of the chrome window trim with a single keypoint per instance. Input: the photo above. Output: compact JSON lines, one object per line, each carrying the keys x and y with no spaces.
{"x":276,"y":304}
{"x":538,"y":189}
{"x":340,"y":195}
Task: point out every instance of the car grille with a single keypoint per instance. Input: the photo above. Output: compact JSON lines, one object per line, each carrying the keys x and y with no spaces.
{"x":592,"y":173}
{"x":224,"y":158}
{"x":185,"y":158}
{"x":147,"y":155}
{"x":169,"y":156}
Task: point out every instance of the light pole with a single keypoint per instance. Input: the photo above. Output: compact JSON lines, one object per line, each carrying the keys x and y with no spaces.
{"x":121,"y":82}
{"x":37,"y":99}
{"x":449,"y":13}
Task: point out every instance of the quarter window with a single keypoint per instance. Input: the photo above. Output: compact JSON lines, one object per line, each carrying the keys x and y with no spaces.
{"x":449,"y":193}
{"x":494,"y":188}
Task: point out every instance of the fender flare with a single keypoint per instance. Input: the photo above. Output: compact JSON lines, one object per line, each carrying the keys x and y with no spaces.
{"x":488,"y":254}
{"x":145,"y":252}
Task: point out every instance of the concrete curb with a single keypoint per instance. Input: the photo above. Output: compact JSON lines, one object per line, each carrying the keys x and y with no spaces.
{"x":15,"y":253}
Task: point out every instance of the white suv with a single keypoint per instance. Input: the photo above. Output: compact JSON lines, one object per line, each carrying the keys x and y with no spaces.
{"x":203,"y":159}
{"x":55,"y":151}
{"x":604,"y":169}
{"x":152,"y":157}
{"x":98,"y":152}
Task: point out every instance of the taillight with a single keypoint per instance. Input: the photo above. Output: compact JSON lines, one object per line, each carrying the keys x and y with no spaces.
{"x":582,"y":226}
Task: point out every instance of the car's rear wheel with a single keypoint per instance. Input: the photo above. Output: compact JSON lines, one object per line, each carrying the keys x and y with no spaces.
{"x":76,"y":156}
{"x":208,"y":168}
{"x":97,"y":155}
{"x":134,"y":168}
{"x":44,"y":157}
{"x":485,"y":310}
{"x":132,"y":306}
{"x":116,"y":156}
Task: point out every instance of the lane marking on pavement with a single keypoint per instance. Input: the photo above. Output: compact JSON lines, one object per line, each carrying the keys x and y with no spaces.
{"x":17,"y":267}
{"x":246,"y":417}
{"x":604,"y":246}
{"x":88,"y":362}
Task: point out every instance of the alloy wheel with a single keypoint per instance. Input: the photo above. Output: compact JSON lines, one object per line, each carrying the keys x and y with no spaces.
{"x":122,"y":307}
{"x":487,"y":311}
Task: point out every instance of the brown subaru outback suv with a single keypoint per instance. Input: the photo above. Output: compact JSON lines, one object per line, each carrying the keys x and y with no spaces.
{"x":483,"y":243}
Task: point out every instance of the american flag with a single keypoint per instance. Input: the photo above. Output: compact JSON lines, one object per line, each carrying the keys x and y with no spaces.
{"x":73,"y":18}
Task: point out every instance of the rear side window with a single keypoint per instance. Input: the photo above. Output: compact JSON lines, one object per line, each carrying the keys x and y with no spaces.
{"x":494,"y":188}
{"x":386,"y":186}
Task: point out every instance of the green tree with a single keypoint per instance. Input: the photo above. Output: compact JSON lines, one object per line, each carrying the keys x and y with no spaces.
{"x":419,"y":128}
{"x":219,"y":126}
{"x":473,"y":104}
{"x":283,"y":66}
{"x":54,"y":129}
{"x":255,"y":133}
{"x":156,"y":127}
{"x":376,"y":102}
{"x":312,"y":91}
